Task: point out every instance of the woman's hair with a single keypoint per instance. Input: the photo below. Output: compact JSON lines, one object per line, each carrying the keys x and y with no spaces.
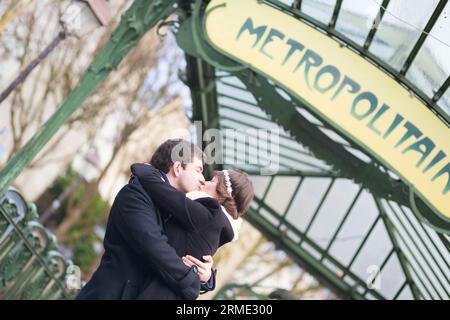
{"x":241,"y":196}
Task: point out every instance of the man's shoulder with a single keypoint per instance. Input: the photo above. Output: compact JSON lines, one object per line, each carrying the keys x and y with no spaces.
{"x":133,"y":189}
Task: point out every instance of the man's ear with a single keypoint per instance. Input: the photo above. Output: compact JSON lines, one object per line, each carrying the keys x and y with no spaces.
{"x":177,"y":168}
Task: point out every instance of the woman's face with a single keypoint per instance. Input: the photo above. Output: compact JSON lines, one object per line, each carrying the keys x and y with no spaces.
{"x":210,"y":188}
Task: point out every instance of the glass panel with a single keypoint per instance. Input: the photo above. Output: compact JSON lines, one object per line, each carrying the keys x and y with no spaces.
{"x":373,"y":253}
{"x":306,"y":201}
{"x":406,"y":294}
{"x":422,"y":242}
{"x":336,"y":204}
{"x":355,"y":228}
{"x":268,"y":216}
{"x":431,"y":66}
{"x":400,"y":28}
{"x":392,"y":277}
{"x":321,"y":10}
{"x":356,"y":18}
{"x":281,"y":192}
{"x":260,"y":184}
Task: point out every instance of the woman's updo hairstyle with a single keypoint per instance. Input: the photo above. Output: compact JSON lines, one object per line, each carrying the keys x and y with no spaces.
{"x":242,"y":193}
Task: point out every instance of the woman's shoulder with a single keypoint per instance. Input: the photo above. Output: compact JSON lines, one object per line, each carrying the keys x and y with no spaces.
{"x":206,"y":200}
{"x":194,"y":195}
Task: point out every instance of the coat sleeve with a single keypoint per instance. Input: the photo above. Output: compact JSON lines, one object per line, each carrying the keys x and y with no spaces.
{"x":140,"y":228}
{"x":191,"y":214}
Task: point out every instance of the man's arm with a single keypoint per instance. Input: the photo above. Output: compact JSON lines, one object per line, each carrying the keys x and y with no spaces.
{"x":191,"y":214}
{"x":140,"y":228}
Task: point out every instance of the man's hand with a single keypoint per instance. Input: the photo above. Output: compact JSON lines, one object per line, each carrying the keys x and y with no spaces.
{"x":204,"y":268}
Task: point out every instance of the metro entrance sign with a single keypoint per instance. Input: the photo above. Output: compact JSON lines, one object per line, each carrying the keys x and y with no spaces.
{"x":357,"y":98}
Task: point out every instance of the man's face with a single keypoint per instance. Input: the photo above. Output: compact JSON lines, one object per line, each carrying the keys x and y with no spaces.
{"x":191,"y":178}
{"x":210,"y":188}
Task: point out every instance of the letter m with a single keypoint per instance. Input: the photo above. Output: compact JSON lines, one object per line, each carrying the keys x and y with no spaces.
{"x":248,"y":25}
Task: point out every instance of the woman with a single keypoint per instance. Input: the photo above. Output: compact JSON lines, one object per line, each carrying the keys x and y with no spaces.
{"x":211,"y":217}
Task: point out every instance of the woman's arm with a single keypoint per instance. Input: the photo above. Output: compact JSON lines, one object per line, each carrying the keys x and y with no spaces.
{"x":191,"y":214}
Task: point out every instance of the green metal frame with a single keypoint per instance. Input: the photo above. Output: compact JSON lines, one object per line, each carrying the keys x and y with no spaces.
{"x":426,"y":274}
{"x":201,"y":81}
{"x":365,"y":53}
{"x":30,"y":265}
{"x":375,"y":25}
{"x":191,"y":38}
{"x":339,"y":164}
{"x":437,"y":12}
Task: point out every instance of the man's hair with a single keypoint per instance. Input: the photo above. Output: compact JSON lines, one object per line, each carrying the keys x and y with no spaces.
{"x":173,"y":150}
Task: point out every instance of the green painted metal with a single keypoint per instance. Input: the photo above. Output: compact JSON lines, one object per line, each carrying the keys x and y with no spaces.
{"x":369,"y":175}
{"x":324,"y":148}
{"x":395,"y":232}
{"x":298,"y":173}
{"x":303,"y":258}
{"x":336,"y":11}
{"x":375,"y":25}
{"x":363,"y":242}
{"x":442,"y":90}
{"x":414,"y":239}
{"x":316,"y":212}
{"x":427,"y":233}
{"x":291,"y":201}
{"x":275,"y":234}
{"x":281,"y":144}
{"x":400,"y":255}
{"x":297,"y":4}
{"x":285,"y":156}
{"x":434,"y":17}
{"x":137,"y":20}
{"x":31,"y":268}
{"x":341,"y":224}
{"x":385,"y":261}
{"x":284,"y":113}
{"x":30,"y":265}
{"x":400,"y":290}
{"x":201,"y":80}
{"x":346,"y":41}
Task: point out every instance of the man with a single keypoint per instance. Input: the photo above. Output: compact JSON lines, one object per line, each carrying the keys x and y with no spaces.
{"x":181,"y":165}
{"x":137,"y":251}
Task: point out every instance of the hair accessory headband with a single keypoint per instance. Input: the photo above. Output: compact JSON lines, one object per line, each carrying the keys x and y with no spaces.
{"x":227,"y":181}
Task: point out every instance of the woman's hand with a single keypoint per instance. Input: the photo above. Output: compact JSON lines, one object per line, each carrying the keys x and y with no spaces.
{"x":204,"y":268}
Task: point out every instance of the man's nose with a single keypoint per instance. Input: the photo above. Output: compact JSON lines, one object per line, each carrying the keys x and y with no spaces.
{"x":202,"y":180}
